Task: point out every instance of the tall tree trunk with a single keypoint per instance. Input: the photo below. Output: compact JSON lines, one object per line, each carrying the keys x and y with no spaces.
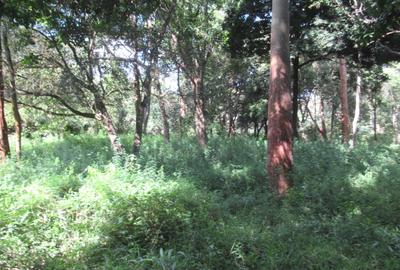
{"x":295,"y":85}
{"x":137,"y":141}
{"x":199,"y":117}
{"x":104,"y":117}
{"x":139,"y":111}
{"x":344,"y":101}
{"x":357,"y":108}
{"x":4,"y":144}
{"x":280,"y":119}
{"x":163,"y":110}
{"x":14,"y":99}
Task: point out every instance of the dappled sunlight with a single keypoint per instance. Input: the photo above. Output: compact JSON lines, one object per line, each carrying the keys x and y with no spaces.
{"x":165,"y":207}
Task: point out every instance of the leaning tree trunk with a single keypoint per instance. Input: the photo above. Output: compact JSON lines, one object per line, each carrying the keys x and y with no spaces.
{"x":14,"y":99}
{"x":104,"y":117}
{"x":344,"y":100}
{"x":199,"y":117}
{"x":357,"y":108}
{"x":4,"y":144}
{"x":280,"y":130}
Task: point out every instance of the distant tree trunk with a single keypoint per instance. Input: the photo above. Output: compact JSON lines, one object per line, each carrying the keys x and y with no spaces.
{"x":139,"y":103}
{"x":232,"y":125}
{"x":357,"y":108}
{"x":182,"y":104}
{"x":295,"y":101}
{"x":333,"y":114}
{"x":280,"y":119}
{"x":374,"y":119}
{"x":199,"y":117}
{"x":146,"y":105}
{"x":104,"y":117}
{"x":373,"y":116}
{"x":321,"y":130}
{"x":4,"y":144}
{"x":137,"y":141}
{"x":323,"y":124}
{"x":163,"y":110}
{"x":395,"y":123}
{"x":344,"y":100}
{"x":14,"y":99}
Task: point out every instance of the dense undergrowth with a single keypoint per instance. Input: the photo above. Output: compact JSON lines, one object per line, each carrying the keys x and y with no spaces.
{"x":69,"y":205}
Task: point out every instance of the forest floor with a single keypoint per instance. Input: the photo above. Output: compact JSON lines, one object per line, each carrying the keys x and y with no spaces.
{"x":69,"y":205}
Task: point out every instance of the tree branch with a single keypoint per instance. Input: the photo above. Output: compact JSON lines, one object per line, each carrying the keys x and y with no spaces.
{"x":63,"y":102}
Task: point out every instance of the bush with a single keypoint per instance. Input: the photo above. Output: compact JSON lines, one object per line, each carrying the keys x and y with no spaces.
{"x":69,"y":205}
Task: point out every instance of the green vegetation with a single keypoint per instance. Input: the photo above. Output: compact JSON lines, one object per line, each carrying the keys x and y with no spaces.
{"x":69,"y":205}
{"x":134,"y":134}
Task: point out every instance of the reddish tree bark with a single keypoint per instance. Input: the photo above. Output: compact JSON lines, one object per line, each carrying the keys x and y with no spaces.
{"x":344,"y":101}
{"x":280,"y":130}
{"x":4,"y":144}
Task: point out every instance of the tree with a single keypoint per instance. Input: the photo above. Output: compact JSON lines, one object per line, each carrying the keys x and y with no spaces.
{"x":145,"y":34}
{"x":4,"y":144}
{"x":13,"y":93}
{"x":194,"y":32}
{"x":280,"y":131}
{"x":344,"y":101}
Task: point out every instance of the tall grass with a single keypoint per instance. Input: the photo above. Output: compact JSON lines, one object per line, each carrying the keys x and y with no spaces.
{"x":69,"y":205}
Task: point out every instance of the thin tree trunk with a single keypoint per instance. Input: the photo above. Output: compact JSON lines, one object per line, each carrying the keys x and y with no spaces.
{"x":146,"y":109}
{"x":232,"y":125}
{"x":182,"y":104}
{"x":4,"y":144}
{"x":333,"y":114}
{"x":295,"y":101}
{"x":139,"y":113}
{"x":14,"y":99}
{"x":357,"y":108}
{"x":199,"y":116}
{"x":163,"y":110}
{"x":323,"y":124}
{"x":280,"y":119}
{"x":104,"y":117}
{"x":375,"y":121}
{"x":344,"y":101}
{"x":395,"y":123}
{"x":315,"y":120}
{"x":137,"y":140}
